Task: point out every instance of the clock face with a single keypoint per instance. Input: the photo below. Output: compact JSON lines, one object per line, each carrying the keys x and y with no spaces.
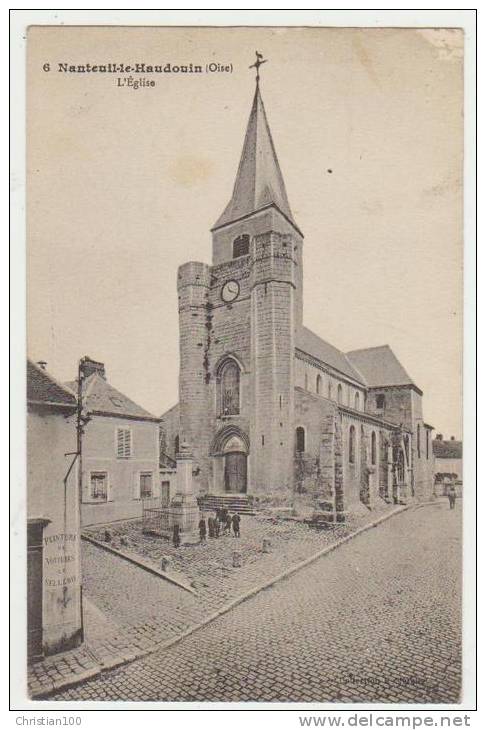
{"x":230,"y":291}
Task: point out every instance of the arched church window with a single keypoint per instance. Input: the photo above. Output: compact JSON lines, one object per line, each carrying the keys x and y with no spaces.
{"x":329,"y":390}
{"x":176,"y":444}
{"x":340,"y":393}
{"x":356,"y":401}
{"x":300,"y":439}
{"x":229,"y":387}
{"x":352,"y":444}
{"x":418,"y":440}
{"x":241,"y":246}
{"x":373,"y":448}
{"x":318,"y":385}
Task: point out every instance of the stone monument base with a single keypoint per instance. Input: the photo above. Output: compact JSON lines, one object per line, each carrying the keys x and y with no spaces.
{"x":184,"y":511}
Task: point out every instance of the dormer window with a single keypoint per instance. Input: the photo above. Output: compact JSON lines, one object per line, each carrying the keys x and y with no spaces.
{"x":241,"y":246}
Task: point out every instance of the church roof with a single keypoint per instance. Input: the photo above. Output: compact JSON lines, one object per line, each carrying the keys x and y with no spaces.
{"x":101,"y":397}
{"x":42,"y":388}
{"x":313,"y":345}
{"x":259,"y":182}
{"x":380,"y":367}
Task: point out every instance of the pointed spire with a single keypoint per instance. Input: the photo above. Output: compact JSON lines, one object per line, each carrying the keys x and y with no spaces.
{"x":259,"y":182}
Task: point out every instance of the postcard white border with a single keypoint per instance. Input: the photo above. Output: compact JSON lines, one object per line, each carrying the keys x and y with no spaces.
{"x":20,"y":19}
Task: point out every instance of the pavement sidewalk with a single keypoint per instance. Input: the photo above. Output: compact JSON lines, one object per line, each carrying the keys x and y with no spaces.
{"x":130,"y":612}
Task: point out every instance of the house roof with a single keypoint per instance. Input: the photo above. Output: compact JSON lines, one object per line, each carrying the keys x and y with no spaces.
{"x":447,"y":449}
{"x":259,"y":182}
{"x":313,"y":345}
{"x":42,"y":388}
{"x":102,"y":398}
{"x":380,"y":367}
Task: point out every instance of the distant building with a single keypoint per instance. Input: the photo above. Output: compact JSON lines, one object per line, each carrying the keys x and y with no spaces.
{"x":53,"y":530}
{"x":270,"y":409}
{"x":120,"y":451}
{"x":448,"y":459}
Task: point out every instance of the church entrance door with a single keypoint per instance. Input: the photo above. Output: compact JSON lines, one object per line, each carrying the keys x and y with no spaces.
{"x":235,"y":473}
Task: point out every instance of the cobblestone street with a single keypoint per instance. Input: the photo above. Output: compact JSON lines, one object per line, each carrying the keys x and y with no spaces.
{"x":378,"y":619}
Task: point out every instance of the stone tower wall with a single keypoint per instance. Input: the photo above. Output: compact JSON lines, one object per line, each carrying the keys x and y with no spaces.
{"x":193,"y":284}
{"x":272,"y":362}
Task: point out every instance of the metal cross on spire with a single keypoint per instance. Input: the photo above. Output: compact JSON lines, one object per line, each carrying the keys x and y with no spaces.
{"x":257,"y":64}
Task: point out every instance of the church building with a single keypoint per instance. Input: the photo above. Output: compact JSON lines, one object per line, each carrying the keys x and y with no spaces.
{"x":269,"y":409}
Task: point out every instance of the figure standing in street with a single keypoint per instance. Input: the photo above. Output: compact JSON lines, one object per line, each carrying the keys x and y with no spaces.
{"x":222,"y":516}
{"x":176,"y":538}
{"x":452,"y":496}
{"x":202,"y":530}
{"x":211,"y":526}
{"x":216,"y":526}
{"x":236,"y":524}
{"x":227,"y":526}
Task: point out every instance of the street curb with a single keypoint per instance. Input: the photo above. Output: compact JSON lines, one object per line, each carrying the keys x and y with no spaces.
{"x":140,"y":564}
{"x":89,"y":674}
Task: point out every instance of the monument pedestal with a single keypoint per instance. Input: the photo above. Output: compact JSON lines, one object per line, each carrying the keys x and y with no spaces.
{"x":184,"y":509}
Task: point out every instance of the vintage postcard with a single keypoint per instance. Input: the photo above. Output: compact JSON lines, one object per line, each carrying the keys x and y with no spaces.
{"x":244,"y":257}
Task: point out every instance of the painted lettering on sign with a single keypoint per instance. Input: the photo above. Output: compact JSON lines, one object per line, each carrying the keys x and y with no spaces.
{"x":60,"y":560}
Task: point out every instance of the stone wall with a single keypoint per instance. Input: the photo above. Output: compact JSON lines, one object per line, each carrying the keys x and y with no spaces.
{"x":272,"y":362}
{"x":50,"y":436}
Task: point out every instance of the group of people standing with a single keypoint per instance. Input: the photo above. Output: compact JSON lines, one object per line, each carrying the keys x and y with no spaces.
{"x":221,"y":523}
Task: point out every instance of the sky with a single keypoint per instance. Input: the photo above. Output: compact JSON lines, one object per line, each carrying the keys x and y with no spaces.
{"x":124,"y":186}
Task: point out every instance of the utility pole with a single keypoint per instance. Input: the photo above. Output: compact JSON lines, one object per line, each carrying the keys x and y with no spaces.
{"x":82,"y":418}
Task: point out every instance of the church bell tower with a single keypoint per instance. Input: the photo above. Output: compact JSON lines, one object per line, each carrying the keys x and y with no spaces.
{"x":238,"y":319}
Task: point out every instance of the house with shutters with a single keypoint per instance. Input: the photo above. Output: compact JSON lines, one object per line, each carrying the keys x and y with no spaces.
{"x":120,"y":450}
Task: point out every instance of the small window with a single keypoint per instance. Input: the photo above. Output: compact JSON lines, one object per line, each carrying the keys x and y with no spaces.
{"x":340,"y":393}
{"x":329,"y":390}
{"x":123,"y":443}
{"x":300,"y":439}
{"x":356,"y":401}
{"x":427,"y":443}
{"x":176,"y":444}
{"x":380,"y":401}
{"x":99,"y":486}
{"x":146,"y":485}
{"x":418,"y":440}
{"x":318,"y":384}
{"x":373,"y":448}
{"x":352,"y":444}
{"x":241,"y":246}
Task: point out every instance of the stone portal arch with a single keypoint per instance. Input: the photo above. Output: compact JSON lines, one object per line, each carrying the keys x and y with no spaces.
{"x":230,"y":450}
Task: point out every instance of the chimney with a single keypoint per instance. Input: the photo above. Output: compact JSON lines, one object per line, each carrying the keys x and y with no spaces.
{"x":89,"y":366}
{"x":438,"y":437}
{"x":453,"y":438}
{"x":42,"y":364}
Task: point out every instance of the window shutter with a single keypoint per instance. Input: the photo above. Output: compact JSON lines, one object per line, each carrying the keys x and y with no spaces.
{"x":123,"y":443}
{"x":119,"y":443}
